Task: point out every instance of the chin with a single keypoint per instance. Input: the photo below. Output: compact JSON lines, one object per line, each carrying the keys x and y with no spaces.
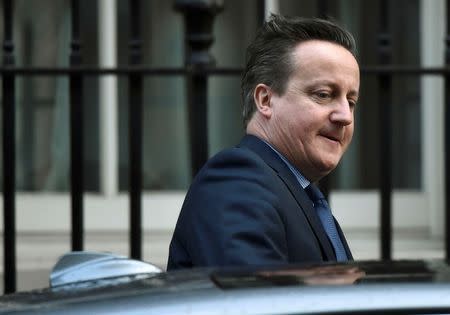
{"x":328,"y":166}
{"x":332,"y":160}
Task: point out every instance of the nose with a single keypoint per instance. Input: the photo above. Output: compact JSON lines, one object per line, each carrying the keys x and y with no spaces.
{"x":342,"y":113}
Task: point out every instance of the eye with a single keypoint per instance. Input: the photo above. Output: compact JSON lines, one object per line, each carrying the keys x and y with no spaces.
{"x":323,"y":94}
{"x":352,"y":103}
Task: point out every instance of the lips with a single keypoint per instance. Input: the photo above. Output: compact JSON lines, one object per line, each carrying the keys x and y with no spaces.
{"x":333,"y":137}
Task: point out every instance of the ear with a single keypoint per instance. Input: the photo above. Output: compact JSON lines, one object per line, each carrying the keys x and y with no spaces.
{"x":262,"y":96}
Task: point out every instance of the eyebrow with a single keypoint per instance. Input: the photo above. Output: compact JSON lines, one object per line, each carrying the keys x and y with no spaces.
{"x":354,"y":94}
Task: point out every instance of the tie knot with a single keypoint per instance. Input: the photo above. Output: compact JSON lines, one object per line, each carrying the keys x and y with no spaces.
{"x":314,"y":193}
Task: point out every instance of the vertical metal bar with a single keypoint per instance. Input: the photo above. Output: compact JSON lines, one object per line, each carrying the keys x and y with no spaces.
{"x":325,"y":183}
{"x":198,"y":20}
{"x":197,"y":93}
{"x":9,"y":155}
{"x":385,"y":117}
{"x":76,"y":133}
{"x":447,"y":138}
{"x":135,"y":133}
{"x":261,"y":11}
{"x":322,"y":9}
{"x":27,"y":120}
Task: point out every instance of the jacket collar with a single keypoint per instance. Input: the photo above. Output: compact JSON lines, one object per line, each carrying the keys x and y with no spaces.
{"x":276,"y":163}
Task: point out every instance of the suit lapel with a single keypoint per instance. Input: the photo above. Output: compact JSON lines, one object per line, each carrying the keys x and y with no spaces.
{"x":307,"y":206}
{"x":274,"y":161}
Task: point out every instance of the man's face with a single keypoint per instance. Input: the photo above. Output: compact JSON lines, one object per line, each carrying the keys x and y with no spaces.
{"x":312,"y":122}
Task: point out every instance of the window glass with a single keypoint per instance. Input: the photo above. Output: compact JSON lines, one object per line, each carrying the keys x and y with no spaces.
{"x":42,"y":102}
{"x":42,"y":129}
{"x":166,"y":152}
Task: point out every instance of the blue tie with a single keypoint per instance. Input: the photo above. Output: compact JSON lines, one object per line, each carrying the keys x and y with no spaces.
{"x":323,"y":210}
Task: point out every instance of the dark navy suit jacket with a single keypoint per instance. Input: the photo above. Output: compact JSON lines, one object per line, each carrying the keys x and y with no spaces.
{"x":245,"y":207}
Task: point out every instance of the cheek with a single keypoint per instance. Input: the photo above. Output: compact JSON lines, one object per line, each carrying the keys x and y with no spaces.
{"x":302,"y":130}
{"x":349,"y":133}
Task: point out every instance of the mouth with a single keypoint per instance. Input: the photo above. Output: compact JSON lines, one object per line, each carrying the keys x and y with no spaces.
{"x":331,"y":137}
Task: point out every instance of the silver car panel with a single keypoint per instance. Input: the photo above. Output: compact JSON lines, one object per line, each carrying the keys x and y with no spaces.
{"x":403,"y":287}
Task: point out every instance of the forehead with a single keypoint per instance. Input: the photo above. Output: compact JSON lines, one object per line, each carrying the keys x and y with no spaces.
{"x":316,"y":58}
{"x":322,"y":49}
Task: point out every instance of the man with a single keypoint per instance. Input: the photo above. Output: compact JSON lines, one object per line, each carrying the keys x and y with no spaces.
{"x":256,"y":203}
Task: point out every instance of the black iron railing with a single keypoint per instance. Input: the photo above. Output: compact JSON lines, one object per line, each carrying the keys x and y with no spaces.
{"x":135,"y":132}
{"x":76,"y":132}
{"x":385,"y":146}
{"x":198,"y":24}
{"x":9,"y":153}
{"x":199,"y":66}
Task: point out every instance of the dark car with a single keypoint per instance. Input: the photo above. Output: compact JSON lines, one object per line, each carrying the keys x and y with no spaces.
{"x":95,"y":283}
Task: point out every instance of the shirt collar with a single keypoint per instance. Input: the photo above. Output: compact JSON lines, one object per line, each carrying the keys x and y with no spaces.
{"x":300,"y":178}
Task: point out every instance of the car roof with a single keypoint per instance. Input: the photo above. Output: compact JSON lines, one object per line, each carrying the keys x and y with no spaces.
{"x":413,"y":286}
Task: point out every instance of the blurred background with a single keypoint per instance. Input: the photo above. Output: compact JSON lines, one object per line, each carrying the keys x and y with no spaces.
{"x":42,"y":38}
